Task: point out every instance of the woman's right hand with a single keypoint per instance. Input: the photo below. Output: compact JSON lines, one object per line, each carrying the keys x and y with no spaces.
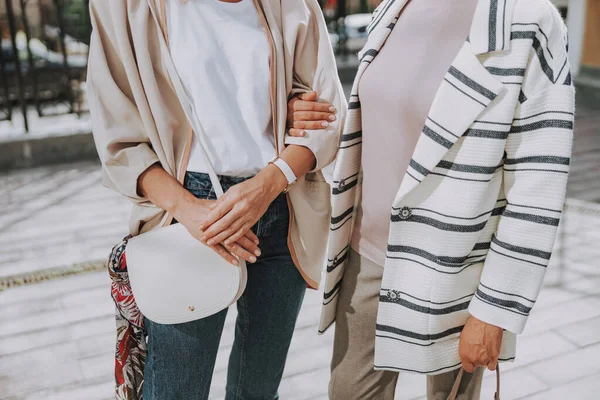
{"x":305,"y":111}
{"x":192,"y":212}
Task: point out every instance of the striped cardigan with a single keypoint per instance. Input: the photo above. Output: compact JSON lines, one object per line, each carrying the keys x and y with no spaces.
{"x":474,"y":220}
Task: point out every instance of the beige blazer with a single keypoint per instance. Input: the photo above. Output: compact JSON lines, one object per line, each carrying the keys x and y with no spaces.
{"x":138,"y":121}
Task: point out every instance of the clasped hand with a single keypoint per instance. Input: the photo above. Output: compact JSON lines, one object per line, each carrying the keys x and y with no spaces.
{"x":224,"y":224}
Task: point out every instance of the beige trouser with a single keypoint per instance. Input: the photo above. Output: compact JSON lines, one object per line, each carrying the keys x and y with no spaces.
{"x":352,"y":373}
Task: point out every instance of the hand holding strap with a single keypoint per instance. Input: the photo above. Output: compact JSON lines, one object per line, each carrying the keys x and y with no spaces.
{"x":454,"y":392}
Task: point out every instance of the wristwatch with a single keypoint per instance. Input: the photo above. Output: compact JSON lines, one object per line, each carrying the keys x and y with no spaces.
{"x":287,"y":171}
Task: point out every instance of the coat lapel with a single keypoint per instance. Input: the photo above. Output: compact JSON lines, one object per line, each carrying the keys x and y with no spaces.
{"x":466,"y":90}
{"x":464,"y":93}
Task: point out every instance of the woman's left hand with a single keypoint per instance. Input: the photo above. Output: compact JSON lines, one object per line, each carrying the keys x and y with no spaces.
{"x":242,"y":206}
{"x":479,"y":345}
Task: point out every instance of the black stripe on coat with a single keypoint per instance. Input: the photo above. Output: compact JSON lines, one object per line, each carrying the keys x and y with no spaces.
{"x":537,"y":46}
{"x":351,"y":136}
{"x":474,"y":169}
{"x":419,"y":219}
{"x":538,"y":219}
{"x":425,"y":310}
{"x":440,"y":260}
{"x":437,"y":137}
{"x":340,"y":218}
{"x":487,"y":134}
{"x":538,"y":159}
{"x":506,"y":71}
{"x":521,"y":250}
{"x":547,"y":123}
{"x":419,"y":336}
{"x":471,"y":83}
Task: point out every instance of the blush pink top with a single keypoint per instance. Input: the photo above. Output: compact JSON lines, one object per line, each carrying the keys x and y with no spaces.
{"x":396,"y":92}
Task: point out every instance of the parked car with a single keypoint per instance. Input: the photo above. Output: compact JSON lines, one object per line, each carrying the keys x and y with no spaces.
{"x":48,"y":68}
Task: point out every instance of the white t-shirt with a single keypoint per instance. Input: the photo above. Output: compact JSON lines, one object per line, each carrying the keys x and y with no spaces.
{"x":221,"y":54}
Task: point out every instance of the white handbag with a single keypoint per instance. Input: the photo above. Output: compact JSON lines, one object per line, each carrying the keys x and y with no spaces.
{"x":174,"y":277}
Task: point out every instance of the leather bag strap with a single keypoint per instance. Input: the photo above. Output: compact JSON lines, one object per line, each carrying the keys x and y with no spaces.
{"x":456,"y":386}
{"x":186,"y":104}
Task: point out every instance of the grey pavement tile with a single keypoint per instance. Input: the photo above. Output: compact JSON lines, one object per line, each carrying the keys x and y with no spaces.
{"x":562,"y":314}
{"x":581,"y":389}
{"x":306,"y":385}
{"x":568,"y":367}
{"x":97,"y":344}
{"x":587,"y":285}
{"x":53,"y":319}
{"x":97,"y":366}
{"x":307,"y":360}
{"x":534,"y":348}
{"x":56,"y":374}
{"x":62,"y":302}
{"x":14,"y":344}
{"x":53,"y":288}
{"x":39,"y":362}
{"x":411,"y":386}
{"x":85,"y":390}
{"x":515,"y":384}
{"x":583,"y":333}
{"x":551,"y":296}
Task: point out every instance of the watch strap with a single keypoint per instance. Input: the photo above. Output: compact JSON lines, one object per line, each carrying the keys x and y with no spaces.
{"x":286,"y":169}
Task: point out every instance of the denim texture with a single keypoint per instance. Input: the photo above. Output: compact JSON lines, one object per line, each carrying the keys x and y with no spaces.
{"x":181,"y":357}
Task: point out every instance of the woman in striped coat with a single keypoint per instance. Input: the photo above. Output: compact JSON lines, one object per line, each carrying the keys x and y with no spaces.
{"x":466,"y":143}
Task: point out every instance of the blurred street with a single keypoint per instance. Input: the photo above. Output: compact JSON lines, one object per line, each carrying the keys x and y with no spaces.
{"x":57,"y":337}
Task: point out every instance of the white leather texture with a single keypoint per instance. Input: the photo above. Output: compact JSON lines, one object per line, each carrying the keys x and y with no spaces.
{"x":177,"y":279}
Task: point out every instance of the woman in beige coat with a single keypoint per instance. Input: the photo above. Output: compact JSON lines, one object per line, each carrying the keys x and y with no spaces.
{"x":239,"y":62}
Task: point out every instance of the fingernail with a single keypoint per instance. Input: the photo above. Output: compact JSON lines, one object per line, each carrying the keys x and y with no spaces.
{"x":332,"y":109}
{"x":324,"y":123}
{"x":332,"y":117}
{"x":256,"y":242}
{"x":252,"y":259}
{"x":302,"y":133}
{"x":235,"y":262}
{"x":211,"y":242}
{"x":257,"y":252}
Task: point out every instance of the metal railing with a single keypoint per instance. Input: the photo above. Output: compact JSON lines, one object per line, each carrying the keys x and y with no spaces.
{"x":43,"y":58}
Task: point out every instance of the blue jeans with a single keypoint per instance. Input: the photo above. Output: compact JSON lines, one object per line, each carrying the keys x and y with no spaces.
{"x":181,"y":358}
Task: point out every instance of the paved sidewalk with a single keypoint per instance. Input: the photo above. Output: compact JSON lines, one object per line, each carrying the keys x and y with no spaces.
{"x":57,"y":337}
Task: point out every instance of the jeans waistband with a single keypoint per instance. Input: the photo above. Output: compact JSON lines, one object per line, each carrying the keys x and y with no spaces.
{"x":192,"y":178}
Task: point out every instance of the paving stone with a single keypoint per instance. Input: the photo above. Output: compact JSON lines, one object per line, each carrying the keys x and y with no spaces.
{"x":568,"y":367}
{"x":31,"y":380}
{"x":411,"y":386}
{"x":53,"y":288}
{"x":97,"y":366}
{"x":533,"y":348}
{"x":581,"y":389}
{"x":562,"y":314}
{"x":583,"y":333}
{"x":86,"y":390}
{"x":514,"y":384}
{"x":53,"y":319}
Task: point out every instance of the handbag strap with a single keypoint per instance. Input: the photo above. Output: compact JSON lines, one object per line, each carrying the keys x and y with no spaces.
{"x":456,"y":386}
{"x":188,"y":108}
